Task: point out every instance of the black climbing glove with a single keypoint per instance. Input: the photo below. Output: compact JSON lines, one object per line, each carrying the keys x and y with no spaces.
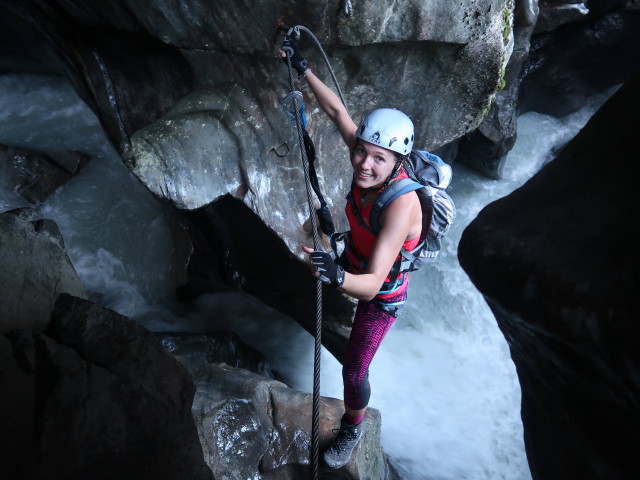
{"x":290,"y":47}
{"x":330,"y":273}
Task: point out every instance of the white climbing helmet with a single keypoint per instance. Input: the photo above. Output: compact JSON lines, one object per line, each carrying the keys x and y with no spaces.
{"x":388,"y":128}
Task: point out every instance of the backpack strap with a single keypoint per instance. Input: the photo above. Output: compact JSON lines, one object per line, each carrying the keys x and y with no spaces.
{"x":388,"y":195}
{"x":408,"y":260}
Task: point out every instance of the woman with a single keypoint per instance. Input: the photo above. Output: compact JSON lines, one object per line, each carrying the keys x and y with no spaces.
{"x":378,"y":147}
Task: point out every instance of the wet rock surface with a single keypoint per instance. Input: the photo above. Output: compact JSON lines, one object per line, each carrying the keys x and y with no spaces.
{"x":254,"y":427}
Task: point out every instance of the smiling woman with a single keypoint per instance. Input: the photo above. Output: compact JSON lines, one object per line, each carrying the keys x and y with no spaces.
{"x":371,"y":164}
{"x":367,"y":270}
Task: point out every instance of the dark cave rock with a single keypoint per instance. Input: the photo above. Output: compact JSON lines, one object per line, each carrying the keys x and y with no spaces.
{"x":255,"y":260}
{"x":35,"y":270}
{"x":95,"y":396}
{"x":219,"y":347}
{"x":555,"y":261}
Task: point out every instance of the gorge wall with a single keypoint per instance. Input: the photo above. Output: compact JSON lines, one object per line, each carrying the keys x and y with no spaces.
{"x":555,"y":262}
{"x":189,"y":93}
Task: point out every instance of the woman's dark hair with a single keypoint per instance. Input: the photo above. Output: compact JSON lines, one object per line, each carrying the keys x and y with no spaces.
{"x":396,"y":170}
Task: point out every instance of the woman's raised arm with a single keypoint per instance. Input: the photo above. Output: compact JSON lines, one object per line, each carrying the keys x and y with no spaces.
{"x":331,"y":105}
{"x":329,"y":102}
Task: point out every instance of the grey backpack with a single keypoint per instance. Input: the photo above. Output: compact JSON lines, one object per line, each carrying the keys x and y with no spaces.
{"x":429,"y":176}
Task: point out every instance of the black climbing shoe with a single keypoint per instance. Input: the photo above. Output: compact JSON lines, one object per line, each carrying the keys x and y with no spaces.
{"x":339,"y":453}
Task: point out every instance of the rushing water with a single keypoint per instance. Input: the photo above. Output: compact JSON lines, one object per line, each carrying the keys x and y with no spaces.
{"x":443,"y":379}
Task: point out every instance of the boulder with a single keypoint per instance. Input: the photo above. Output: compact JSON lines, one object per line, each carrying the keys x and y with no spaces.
{"x":35,"y":270}
{"x":219,"y":347}
{"x":555,"y":261}
{"x":36,"y":175}
{"x":95,"y":396}
{"x":254,"y":427}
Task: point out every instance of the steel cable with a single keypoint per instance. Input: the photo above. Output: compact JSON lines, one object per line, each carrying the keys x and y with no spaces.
{"x":315,"y":420}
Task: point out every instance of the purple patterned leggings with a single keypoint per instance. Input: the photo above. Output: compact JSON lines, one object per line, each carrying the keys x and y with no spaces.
{"x":370,"y":325}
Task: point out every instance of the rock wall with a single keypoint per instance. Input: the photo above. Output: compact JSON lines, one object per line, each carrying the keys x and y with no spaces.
{"x":35,"y":269}
{"x":189,"y":93}
{"x":555,"y":261}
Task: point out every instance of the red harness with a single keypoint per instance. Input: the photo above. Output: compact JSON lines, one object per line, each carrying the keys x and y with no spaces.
{"x":362,"y":240}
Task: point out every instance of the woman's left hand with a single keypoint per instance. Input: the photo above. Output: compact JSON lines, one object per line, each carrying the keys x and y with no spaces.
{"x":290,"y":48}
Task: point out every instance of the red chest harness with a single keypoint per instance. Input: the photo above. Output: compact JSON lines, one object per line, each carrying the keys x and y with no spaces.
{"x":362,"y":239}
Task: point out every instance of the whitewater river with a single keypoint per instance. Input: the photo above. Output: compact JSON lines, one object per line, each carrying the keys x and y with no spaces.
{"x":443,"y":379}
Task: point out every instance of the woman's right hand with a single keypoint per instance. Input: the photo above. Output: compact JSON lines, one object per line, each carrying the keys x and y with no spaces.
{"x":326,"y":270}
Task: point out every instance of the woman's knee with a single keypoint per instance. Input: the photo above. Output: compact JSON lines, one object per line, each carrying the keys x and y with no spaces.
{"x":352,"y":375}
{"x":357,"y":391}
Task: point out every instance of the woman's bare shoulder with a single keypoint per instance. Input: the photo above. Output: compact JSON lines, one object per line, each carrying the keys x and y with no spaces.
{"x":404,"y":211}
